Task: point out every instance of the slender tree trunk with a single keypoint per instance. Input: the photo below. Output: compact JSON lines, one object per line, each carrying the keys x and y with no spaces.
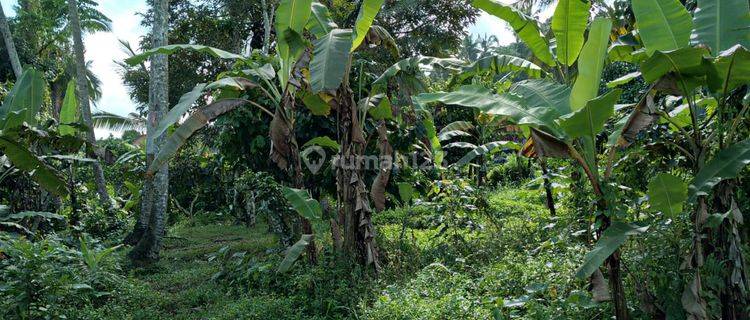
{"x":9,"y":45}
{"x":156,"y":188}
{"x":266,"y":25}
{"x":548,"y":187}
{"x":83,"y":100}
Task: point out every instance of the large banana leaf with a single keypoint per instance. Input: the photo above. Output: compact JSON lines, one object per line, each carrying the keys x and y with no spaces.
{"x":727,"y":164}
{"x":525,"y":26}
{"x":367,"y":12}
{"x":291,"y":18}
{"x":69,"y":110}
{"x":183,"y":106}
{"x":499,"y":64}
{"x":568,"y":24}
{"x":590,"y":120}
{"x":23,"y":159}
{"x":435,"y":147}
{"x":329,"y":62}
{"x":686,"y":61}
{"x":170,"y":49}
{"x":591,"y":64}
{"x":317,"y":105}
{"x":611,"y":239}
{"x":485,"y":149}
{"x":323,"y":141}
{"x":305,"y":206}
{"x":664,"y":25}
{"x":667,"y":194}
{"x":730,"y":70}
{"x":720,"y":24}
{"x":199,"y":119}
{"x":454,"y":129}
{"x":414,"y":65}
{"x":23,"y":101}
{"x":293,"y":253}
{"x":624,"y":79}
{"x":504,"y":105}
{"x":320,"y":22}
{"x":543,"y":94}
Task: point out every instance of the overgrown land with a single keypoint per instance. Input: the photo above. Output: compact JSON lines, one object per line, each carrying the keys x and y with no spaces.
{"x":377,"y":159}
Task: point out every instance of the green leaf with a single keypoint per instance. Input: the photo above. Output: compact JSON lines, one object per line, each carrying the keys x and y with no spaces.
{"x":316,"y":104}
{"x":305,"y":206}
{"x":181,"y":108}
{"x":590,"y":120}
{"x":624,"y":79}
{"x":406,"y":192}
{"x":43,"y":174}
{"x":413,"y":65}
{"x":664,"y":25}
{"x":69,"y":110}
{"x":290,"y":20}
{"x":485,"y":149}
{"x":367,"y":12}
{"x":525,"y":26}
{"x":35,"y":214}
{"x":293,"y":253}
{"x":591,"y":64}
{"x":24,"y":101}
{"x":568,"y":24}
{"x":503,"y":105}
{"x":170,"y":49}
{"x":729,"y":70}
{"x":458,"y":128}
{"x":323,"y":141}
{"x":329,"y":62}
{"x":727,"y":164}
{"x":685,"y":61}
{"x":320,"y":22}
{"x":543,"y":94}
{"x":720,"y":24}
{"x":612,"y":238}
{"x":382,"y":110}
{"x":667,"y":194}
{"x":199,"y":119}
{"x":437,"y":149}
{"x":498,"y":64}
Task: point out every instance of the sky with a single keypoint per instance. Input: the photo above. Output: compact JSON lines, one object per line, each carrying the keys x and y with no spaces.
{"x":104,"y":49}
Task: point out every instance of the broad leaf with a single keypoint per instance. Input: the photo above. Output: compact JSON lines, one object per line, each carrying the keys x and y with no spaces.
{"x":414,"y":65}
{"x":727,"y":164}
{"x":43,"y":174}
{"x":498,"y":64}
{"x":305,"y":206}
{"x":730,"y":70}
{"x":525,"y":26}
{"x":685,"y":61}
{"x":316,"y":104}
{"x":591,"y":64}
{"x":181,"y":108}
{"x":23,"y":101}
{"x":382,"y":110}
{"x":664,"y":25}
{"x":667,"y":194}
{"x":199,"y":119}
{"x":293,"y":253}
{"x":170,"y":49}
{"x":543,"y":94}
{"x":454,"y":129}
{"x":292,"y":14}
{"x":485,"y":149}
{"x":69,"y":110}
{"x":323,"y":141}
{"x":612,"y":238}
{"x":330,"y":58}
{"x":35,"y":214}
{"x":568,"y":24}
{"x":720,"y":24}
{"x":367,"y":12}
{"x":590,"y":120}
{"x":406,"y":192}
{"x":624,"y":79}
{"x":435,"y":147}
{"x":320,"y":22}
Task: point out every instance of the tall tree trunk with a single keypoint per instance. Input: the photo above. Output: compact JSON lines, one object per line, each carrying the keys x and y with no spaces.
{"x":156,"y":188}
{"x":83,"y":101}
{"x":9,"y":45}
{"x":267,"y":25}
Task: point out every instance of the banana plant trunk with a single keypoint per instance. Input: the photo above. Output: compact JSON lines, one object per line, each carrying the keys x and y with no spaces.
{"x":10,"y":45}
{"x":548,"y":187}
{"x":82,"y":85}
{"x":156,"y":188}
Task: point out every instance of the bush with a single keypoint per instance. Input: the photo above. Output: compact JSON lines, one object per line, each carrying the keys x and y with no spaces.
{"x":513,"y":171}
{"x":48,"y":279}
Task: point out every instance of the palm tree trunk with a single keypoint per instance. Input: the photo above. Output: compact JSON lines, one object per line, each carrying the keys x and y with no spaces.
{"x":548,"y":187}
{"x":9,"y":45}
{"x":83,"y":100}
{"x":267,"y":25}
{"x":157,"y":187}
